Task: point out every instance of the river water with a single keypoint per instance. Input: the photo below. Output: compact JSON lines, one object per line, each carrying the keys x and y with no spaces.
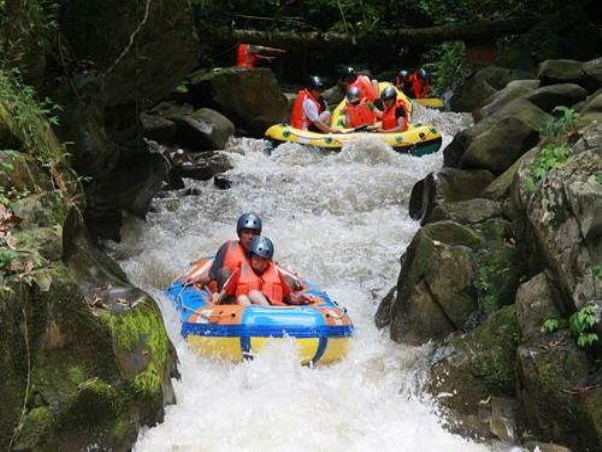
{"x":341,"y":220}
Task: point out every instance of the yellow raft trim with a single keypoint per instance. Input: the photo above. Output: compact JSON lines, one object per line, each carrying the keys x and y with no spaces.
{"x":415,"y":135}
{"x":430,"y":102}
{"x":229,"y":348}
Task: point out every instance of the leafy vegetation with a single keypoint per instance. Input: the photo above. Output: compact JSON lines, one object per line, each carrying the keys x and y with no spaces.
{"x":26,"y":27}
{"x":550,"y":325}
{"x":555,"y":151}
{"x":581,"y":324}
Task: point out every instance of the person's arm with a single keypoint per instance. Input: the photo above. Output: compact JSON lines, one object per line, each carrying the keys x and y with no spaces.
{"x":311,"y":112}
{"x":228,"y":289}
{"x":218,"y":262}
{"x":257,"y":49}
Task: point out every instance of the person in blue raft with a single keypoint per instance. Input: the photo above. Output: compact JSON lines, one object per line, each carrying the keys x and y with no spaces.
{"x":234,"y":256}
{"x":259,"y":281}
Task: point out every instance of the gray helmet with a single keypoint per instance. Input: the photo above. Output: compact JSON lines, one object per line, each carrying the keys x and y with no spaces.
{"x":348,"y":75}
{"x":262,"y":246}
{"x":389,"y":93}
{"x":403,"y":75}
{"x":315,"y":82}
{"x":354,"y":94}
{"x":248,"y":221}
{"x":424,"y":75}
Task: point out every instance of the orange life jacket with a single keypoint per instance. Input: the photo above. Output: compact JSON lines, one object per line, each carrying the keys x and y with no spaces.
{"x":269,"y":283}
{"x":420,"y":88}
{"x":245,"y":58}
{"x":359,"y":114}
{"x":389,"y":120}
{"x":235,"y":255}
{"x":298,"y":118}
{"x":364,"y":84}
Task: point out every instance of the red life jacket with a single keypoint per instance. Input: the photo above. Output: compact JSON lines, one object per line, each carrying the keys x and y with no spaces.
{"x":235,"y":255}
{"x":269,"y":283}
{"x":359,"y":114}
{"x":364,"y":84}
{"x":420,"y":88}
{"x":298,"y":118}
{"x":389,"y":120}
{"x":245,"y":58}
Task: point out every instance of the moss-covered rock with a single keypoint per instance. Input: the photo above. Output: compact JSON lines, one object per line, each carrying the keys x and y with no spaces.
{"x":471,"y":368}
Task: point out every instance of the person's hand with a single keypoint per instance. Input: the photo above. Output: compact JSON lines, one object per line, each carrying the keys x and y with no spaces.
{"x":308,"y":299}
{"x":215,"y":298}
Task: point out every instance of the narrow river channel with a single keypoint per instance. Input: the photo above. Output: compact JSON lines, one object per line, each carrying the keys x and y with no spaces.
{"x":340,"y":219}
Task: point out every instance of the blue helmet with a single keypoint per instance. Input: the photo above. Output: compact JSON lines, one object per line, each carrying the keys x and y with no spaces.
{"x":262,"y":246}
{"x":248,"y":221}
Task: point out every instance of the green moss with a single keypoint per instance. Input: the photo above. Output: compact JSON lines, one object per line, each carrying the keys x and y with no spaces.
{"x":497,"y":340}
{"x":36,"y":425}
{"x":148,"y":383}
{"x":142,"y":327}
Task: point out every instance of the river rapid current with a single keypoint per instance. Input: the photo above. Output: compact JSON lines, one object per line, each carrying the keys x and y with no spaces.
{"x":341,"y":220}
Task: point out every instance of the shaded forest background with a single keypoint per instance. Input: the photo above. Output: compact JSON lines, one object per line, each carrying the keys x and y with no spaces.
{"x":371,"y":26}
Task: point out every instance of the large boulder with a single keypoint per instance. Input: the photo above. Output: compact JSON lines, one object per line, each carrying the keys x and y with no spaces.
{"x":447,"y":185}
{"x":555,"y":377}
{"x":434,"y":291}
{"x":205,"y":129}
{"x":483,"y":84}
{"x":471,"y":369}
{"x":143,"y":53}
{"x":592,"y":110}
{"x":593,"y":69}
{"x":520,"y":109}
{"x":500,"y":146}
{"x":249,"y":97}
{"x":551,"y":96}
{"x":514,"y":90}
{"x":566,"y":216}
{"x":552,"y":72}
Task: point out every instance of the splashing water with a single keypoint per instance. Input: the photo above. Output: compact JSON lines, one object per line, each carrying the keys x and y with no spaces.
{"x":341,"y":220}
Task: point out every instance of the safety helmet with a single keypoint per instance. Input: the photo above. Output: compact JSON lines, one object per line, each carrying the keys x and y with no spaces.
{"x":354,"y":94}
{"x":423,"y":74}
{"x":262,"y":246}
{"x":403,"y":74}
{"x":315,"y":82}
{"x":389,"y":93}
{"x":348,"y":74}
{"x":248,"y":221}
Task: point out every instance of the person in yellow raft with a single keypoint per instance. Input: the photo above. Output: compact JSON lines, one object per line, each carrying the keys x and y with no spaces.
{"x":259,"y":281}
{"x":393,"y":117}
{"x":310,"y":111}
{"x":359,"y":111}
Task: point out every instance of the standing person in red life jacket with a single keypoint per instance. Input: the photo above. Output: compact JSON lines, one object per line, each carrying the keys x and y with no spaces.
{"x":231,"y":255}
{"x":369,"y":88}
{"x":393,"y":116}
{"x":258,"y":281}
{"x":310,"y":111}
{"x":249,"y":55}
{"x":358,"y":112}
{"x":421,"y":83}
{"x":403,"y":83}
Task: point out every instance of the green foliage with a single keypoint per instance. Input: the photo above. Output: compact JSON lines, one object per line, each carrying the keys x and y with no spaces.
{"x":581,"y":324}
{"x":7,"y":256}
{"x":550,"y":157}
{"x":29,"y":119}
{"x":559,"y":125}
{"x":597,"y":270}
{"x":448,"y":63}
{"x":26,"y":28}
{"x":550,"y":325}
{"x":484,"y":288}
